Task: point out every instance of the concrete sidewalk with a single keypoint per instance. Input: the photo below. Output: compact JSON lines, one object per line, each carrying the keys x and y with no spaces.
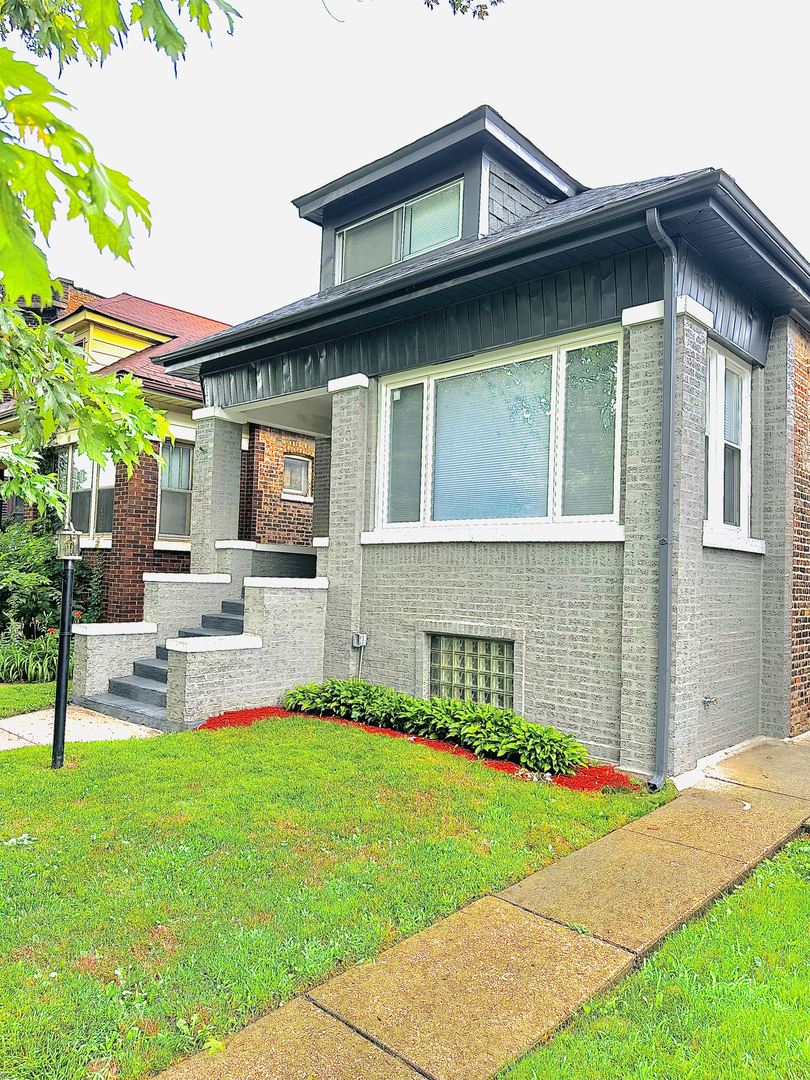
{"x":463,"y":998}
{"x":36,"y":728}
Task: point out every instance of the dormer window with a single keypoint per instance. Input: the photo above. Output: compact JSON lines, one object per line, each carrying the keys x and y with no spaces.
{"x":397,"y":234}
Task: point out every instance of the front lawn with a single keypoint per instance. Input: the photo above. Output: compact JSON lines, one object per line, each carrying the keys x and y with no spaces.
{"x":16,"y":698}
{"x":161,"y":892}
{"x":724,"y":999}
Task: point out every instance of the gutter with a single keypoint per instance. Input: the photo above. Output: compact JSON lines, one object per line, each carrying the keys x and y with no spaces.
{"x":667,"y":501}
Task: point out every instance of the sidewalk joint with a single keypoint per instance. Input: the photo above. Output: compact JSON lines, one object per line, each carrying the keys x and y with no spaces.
{"x":558,"y":922}
{"x":370,"y":1038}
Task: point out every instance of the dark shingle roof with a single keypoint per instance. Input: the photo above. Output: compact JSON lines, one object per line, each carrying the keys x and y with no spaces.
{"x":578,"y":206}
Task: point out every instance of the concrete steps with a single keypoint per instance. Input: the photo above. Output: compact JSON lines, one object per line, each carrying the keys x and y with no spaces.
{"x":140,"y":697}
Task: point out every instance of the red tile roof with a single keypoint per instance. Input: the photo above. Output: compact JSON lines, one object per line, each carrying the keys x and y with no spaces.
{"x":158,"y":317}
{"x":181,"y":327}
{"x":152,"y":375}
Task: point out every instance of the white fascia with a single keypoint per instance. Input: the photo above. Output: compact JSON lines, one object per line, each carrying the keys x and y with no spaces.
{"x":189,"y":579}
{"x":231,"y":643}
{"x":348,"y":382}
{"x":286,"y":583}
{"x":555,"y":532}
{"x":113,"y":629}
{"x":652,"y":312}
{"x":731,"y":541}
{"x":252,"y":545}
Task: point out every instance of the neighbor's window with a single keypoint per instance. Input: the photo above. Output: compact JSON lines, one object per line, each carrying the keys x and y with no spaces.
{"x":91,"y":488}
{"x":533,"y":440}
{"x":727,"y":482}
{"x":406,"y":230}
{"x":175,"y":489}
{"x":472,"y":669}
{"x":296,"y":476}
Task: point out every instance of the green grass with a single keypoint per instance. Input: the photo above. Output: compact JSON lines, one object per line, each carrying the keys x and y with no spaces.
{"x":725,"y":998}
{"x":179,"y":886}
{"x":16,"y":698}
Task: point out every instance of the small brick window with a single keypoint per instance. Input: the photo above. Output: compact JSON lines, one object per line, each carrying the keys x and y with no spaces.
{"x":296,"y":476}
{"x":473,"y":669}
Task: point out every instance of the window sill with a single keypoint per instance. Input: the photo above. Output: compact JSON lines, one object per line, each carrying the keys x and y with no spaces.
{"x":288,"y":496}
{"x":89,"y":543}
{"x":585,"y":532}
{"x":729,"y":541}
{"x":172,"y":545}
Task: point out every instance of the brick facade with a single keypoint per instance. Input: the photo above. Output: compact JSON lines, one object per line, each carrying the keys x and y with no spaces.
{"x":135,"y":507}
{"x":800,"y":665}
{"x":264,"y":515}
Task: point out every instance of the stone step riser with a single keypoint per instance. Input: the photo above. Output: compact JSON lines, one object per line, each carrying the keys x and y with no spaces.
{"x":137,"y":689}
{"x":232,"y":623}
{"x":233,"y":607}
{"x":158,"y":670}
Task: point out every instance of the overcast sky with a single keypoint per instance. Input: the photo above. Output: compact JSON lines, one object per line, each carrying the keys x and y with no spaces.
{"x":612,"y":92}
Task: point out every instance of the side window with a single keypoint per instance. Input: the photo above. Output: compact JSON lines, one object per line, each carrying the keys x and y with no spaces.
{"x":727,"y":482}
{"x":296,"y":476}
{"x":175,"y":489}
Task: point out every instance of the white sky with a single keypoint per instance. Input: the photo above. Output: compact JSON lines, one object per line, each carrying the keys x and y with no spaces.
{"x":612,"y":92}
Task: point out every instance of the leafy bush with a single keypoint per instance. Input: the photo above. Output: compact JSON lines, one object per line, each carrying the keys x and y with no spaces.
{"x":31,"y":577}
{"x":481,"y":728}
{"x":25,"y":659}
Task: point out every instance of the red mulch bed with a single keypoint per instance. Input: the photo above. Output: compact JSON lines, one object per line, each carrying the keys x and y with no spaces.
{"x":587,"y":778}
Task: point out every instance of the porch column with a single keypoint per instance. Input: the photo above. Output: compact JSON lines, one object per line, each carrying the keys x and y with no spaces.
{"x":346,"y":518}
{"x":215,"y":492}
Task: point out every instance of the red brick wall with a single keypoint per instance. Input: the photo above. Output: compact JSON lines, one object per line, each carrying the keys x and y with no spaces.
{"x":133,"y":536}
{"x":264,"y":516}
{"x":800,"y":674}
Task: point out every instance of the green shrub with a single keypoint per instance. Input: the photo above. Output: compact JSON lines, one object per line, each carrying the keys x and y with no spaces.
{"x":31,"y":660}
{"x":483,"y":729}
{"x":31,"y":577}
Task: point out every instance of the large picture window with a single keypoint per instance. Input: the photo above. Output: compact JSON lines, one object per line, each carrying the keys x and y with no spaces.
{"x":527,"y":440}
{"x":727,"y":486}
{"x":400,"y":233}
{"x":175,"y":489}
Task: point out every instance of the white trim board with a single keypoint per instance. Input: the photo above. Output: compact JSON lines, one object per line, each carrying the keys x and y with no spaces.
{"x":555,"y":532}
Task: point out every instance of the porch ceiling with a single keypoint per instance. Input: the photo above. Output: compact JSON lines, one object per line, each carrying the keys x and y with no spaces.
{"x":307,"y":413}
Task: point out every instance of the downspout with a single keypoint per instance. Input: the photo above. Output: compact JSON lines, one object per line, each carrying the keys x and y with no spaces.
{"x":666,"y":508}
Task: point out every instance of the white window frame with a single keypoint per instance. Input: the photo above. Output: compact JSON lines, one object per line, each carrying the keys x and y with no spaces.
{"x":714,"y":527}
{"x":341,"y":233}
{"x":554,"y":525}
{"x":296,"y":496}
{"x":89,"y":538}
{"x":182,"y":538}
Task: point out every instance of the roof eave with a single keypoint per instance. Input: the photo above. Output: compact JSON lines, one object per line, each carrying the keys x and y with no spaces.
{"x":483,"y":123}
{"x":616,"y":216}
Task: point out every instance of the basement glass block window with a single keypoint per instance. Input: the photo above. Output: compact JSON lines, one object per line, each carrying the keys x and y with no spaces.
{"x":175,"y":489}
{"x":473,"y":669}
{"x":399,"y":233}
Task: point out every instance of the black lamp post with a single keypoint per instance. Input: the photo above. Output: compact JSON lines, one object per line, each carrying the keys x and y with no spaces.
{"x":67,"y":549}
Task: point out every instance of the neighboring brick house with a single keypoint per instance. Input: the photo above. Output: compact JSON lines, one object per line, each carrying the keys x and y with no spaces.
{"x":560,"y":433}
{"x":142,"y":523}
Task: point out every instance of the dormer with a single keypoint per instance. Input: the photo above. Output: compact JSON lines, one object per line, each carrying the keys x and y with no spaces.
{"x":468,"y":179}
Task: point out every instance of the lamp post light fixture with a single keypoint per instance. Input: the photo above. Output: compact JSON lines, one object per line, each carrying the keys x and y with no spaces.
{"x":67,"y":549}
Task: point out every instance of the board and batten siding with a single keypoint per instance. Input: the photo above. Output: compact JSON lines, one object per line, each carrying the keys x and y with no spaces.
{"x":587,"y":295}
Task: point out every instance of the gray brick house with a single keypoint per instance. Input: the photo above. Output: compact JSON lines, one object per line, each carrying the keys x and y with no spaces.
{"x":561,"y":461}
